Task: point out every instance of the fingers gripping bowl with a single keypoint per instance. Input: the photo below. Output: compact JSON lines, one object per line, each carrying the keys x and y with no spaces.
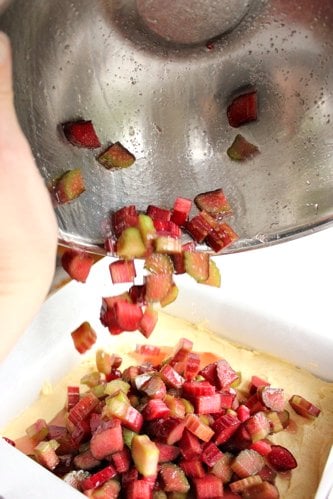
{"x":235,"y":314}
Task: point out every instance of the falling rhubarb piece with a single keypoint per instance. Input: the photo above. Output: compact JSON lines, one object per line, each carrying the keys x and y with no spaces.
{"x":116,"y":156}
{"x":84,"y":337}
{"x":77,"y":264}
{"x":69,"y":186}
{"x":197,"y":265}
{"x":81,"y":134}
{"x":241,"y":149}
{"x":243,"y":109}
{"x":122,"y":271}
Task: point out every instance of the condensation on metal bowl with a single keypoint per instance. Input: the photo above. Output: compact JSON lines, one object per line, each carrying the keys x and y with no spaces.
{"x":144,"y":73}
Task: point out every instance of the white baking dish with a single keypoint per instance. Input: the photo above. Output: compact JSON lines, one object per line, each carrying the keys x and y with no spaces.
{"x":276,"y":300}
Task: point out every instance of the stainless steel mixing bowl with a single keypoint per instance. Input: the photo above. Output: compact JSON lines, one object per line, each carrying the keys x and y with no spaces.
{"x":144,"y":73}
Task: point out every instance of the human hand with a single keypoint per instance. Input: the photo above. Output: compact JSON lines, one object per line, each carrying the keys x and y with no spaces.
{"x":28,"y":228}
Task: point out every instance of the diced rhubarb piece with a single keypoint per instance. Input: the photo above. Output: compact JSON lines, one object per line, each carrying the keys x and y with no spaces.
{"x":145,"y":455}
{"x":241,"y":149}
{"x":137,"y":294}
{"x":104,"y":361}
{"x":220,"y":374}
{"x":198,"y":228}
{"x":224,"y":427}
{"x":258,"y":426}
{"x":239,"y":486}
{"x":176,"y":405}
{"x":281,"y":459}
{"x":192,"y":366}
{"x":222,"y":468}
{"x":158,"y":263}
{"x":155,"y":409}
{"x":122,"y":271}
{"x":122,"y":460}
{"x":86,"y":461}
{"x":183,"y":347}
{"x":167,"y":228}
{"x":154,"y":387}
{"x":254,"y":404}
{"x":97,"y":479}
{"x":257,"y":382}
{"x":189,"y":445}
{"x":173,"y":478}
{"x":193,"y":468}
{"x":213,"y":202}
{"x":214,"y":277}
{"x":264,"y":490}
{"x":130,"y":244}
{"x":157,"y":287}
{"x":83,"y":408}
{"x":148,"y":321}
{"x":247,"y":462}
{"x":272,"y":398}
{"x":45,"y":453}
{"x":198,"y":428}
{"x":221,"y":237}
{"x":197,"y":388}
{"x":124,"y":218}
{"x":171,"y":377}
{"x":129,"y":476}
{"x":38,"y":431}
{"x":139,"y":489}
{"x":127,"y":315}
{"x":168,"y":244}
{"x":109,"y":490}
{"x":211,"y":454}
{"x":77,"y":264}
{"x":118,"y":407}
{"x":106,"y":440}
{"x":157,"y":213}
{"x":69,"y":186}
{"x":243,"y":413}
{"x":262,"y":447}
{"x":274,"y":421}
{"x":116,"y":156}
{"x":81,"y":134}
{"x":147,"y":229}
{"x":73,"y":396}
{"x":81,"y":432}
{"x":225,"y":374}
{"x":114,"y":374}
{"x":84,"y":337}
{"x":208,"y":487}
{"x":208,"y":404}
{"x":303,"y":407}
{"x":181,"y":210}
{"x":167,"y":453}
{"x":116,"y":385}
{"x":267,"y":474}
{"x":178,"y":262}
{"x":168,"y":430}
{"x":197,"y":265}
{"x":243,"y":109}
{"x":170,"y":297}
{"x":91,"y":379}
